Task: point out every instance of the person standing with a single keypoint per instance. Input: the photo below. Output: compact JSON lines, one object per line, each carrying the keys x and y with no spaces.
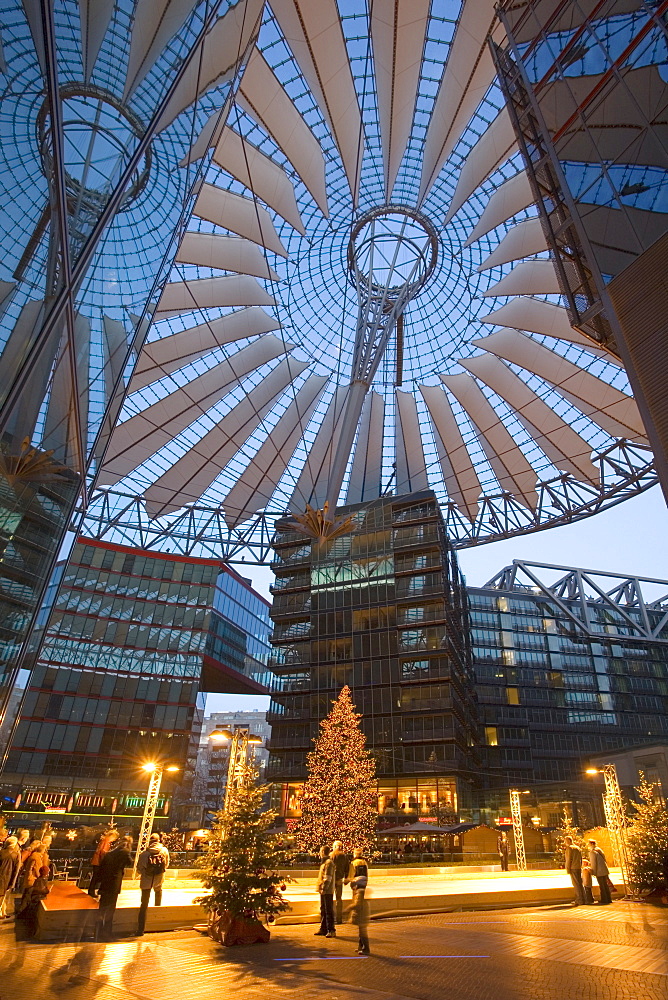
{"x":573,"y":865}
{"x":600,"y":871}
{"x":341,"y":862}
{"x":151,"y":865}
{"x":325,"y":886}
{"x":110,"y":882}
{"x":358,"y":876}
{"x":105,"y":844}
{"x":10,"y":862}
{"x":31,"y":865}
{"x":502,"y":848}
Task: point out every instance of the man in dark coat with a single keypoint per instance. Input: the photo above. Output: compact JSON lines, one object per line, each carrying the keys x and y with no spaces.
{"x":110,"y":880}
{"x":341,"y":863}
{"x":573,"y":866}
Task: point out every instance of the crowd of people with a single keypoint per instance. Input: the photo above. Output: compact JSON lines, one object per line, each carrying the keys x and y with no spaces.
{"x":336,"y":870}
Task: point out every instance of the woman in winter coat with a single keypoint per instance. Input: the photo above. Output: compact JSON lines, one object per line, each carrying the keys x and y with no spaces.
{"x":110,"y":881}
{"x":10,"y":862}
{"x":31,"y":866}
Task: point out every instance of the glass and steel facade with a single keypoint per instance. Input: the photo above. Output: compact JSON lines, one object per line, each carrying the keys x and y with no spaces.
{"x":134,"y":642}
{"x":381,"y":608}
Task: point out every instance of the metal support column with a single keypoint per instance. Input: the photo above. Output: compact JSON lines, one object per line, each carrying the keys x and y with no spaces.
{"x":518,"y":832}
{"x":149,"y":813}
{"x":237,"y":769}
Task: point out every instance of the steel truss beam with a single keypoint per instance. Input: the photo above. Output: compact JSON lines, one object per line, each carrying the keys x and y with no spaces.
{"x":578,"y":593}
{"x":200,"y":530}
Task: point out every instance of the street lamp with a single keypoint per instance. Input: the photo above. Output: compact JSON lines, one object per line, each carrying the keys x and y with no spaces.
{"x":156,"y":771}
{"x":615,"y":818}
{"x":518,"y":832}
{"x":237,"y":769}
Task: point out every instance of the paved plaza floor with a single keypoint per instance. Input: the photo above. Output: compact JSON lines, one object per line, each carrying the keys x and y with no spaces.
{"x":619,"y":952}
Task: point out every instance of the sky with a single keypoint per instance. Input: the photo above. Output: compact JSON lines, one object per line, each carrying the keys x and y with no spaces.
{"x":631,"y":538}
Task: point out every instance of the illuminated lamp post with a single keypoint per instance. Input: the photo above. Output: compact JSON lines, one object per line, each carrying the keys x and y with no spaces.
{"x":237,"y":768}
{"x":518,"y":832}
{"x":615,"y":818}
{"x":156,"y":772}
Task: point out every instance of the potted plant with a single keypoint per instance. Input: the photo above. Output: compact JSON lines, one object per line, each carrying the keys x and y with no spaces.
{"x":241,"y":871}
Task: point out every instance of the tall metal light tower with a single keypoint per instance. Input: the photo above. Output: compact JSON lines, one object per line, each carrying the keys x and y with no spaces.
{"x":156,"y":772}
{"x":238,"y":768}
{"x":615,"y":817}
{"x":518,"y":831}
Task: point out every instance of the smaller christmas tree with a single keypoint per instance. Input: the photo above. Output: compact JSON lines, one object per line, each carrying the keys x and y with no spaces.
{"x":647,"y":840}
{"x":566,"y":829}
{"x":339,"y":797}
{"x":240,"y":868}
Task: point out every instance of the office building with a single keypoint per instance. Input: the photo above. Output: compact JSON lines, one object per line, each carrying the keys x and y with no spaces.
{"x":382,"y":608}
{"x":134,"y":643}
{"x":587,"y":95}
{"x":213,"y":756}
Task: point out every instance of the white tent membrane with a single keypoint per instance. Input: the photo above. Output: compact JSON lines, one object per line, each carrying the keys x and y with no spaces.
{"x":366,"y":473}
{"x":511,"y":468}
{"x":211,"y":293}
{"x":262,"y":97}
{"x":522,"y":240}
{"x":468,"y":74}
{"x":496,"y":144}
{"x":460,"y":476}
{"x":192,"y":475}
{"x":312,"y":483}
{"x":217,"y":58}
{"x":257,"y":483}
{"x":142,"y":435}
{"x":59,"y":424}
{"x":155,"y":22}
{"x":224,"y":253}
{"x":607,"y":406}
{"x":95,"y":16}
{"x":313,"y":32}
{"x":532,"y":277}
{"x":239,"y":215}
{"x":411,"y":472}
{"x":563,"y":446}
{"x":398,"y":29}
{"x":258,"y":172}
{"x":161,"y":357}
{"x":511,"y":197}
{"x":546,"y":318}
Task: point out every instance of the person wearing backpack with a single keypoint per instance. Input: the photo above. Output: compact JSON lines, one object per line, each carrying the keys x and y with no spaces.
{"x":151,"y":865}
{"x":110,"y":883}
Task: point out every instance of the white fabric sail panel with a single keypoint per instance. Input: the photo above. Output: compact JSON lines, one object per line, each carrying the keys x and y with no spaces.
{"x":211,"y":293}
{"x":544,"y":318}
{"x":262,"y":96}
{"x":94,"y":17}
{"x":398,"y":29}
{"x":411,"y":467}
{"x":19,"y":341}
{"x":115,"y":348}
{"x":311,"y":486}
{"x":496,"y":144}
{"x":469,"y":72}
{"x":513,"y":196}
{"x":217,"y":58}
{"x":33,"y":12}
{"x":522,"y":240}
{"x":367,"y":468}
{"x":161,"y":357}
{"x":531,"y":277}
{"x":258,"y":172}
{"x":608,"y":407}
{"x":6,"y":289}
{"x":192,"y":475}
{"x":65,"y":399}
{"x":562,"y":445}
{"x":314,"y":33}
{"x":461,"y":479}
{"x":139,"y":437}
{"x":155,"y":22}
{"x":225,"y":253}
{"x":254,"y":488}
{"x":239,"y":215}
{"x":514,"y":473}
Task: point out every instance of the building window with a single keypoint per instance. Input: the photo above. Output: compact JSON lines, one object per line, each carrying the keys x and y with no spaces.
{"x":491,"y":736}
{"x":513,"y":695}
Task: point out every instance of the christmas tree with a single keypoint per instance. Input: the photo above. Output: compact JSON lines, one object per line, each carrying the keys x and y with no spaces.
{"x":647,"y":839}
{"x":240,"y":866}
{"x":339,"y":797}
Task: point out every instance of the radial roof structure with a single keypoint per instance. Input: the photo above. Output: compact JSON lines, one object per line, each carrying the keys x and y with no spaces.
{"x":363,"y":302}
